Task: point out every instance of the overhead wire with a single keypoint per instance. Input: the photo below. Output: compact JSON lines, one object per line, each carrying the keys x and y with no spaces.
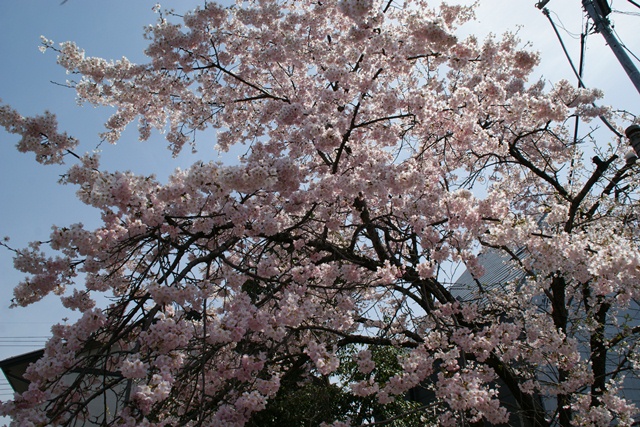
{"x":625,"y":12}
{"x":33,"y":346}
{"x":634,"y":3}
{"x":571,"y":34}
{"x":576,"y":126}
{"x":5,"y":387}
{"x":545,"y":11}
{"x":623,"y":45}
{"x":23,"y":341}
{"x":23,"y":337}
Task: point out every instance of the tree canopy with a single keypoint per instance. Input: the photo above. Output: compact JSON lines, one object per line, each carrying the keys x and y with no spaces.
{"x":382,"y":147}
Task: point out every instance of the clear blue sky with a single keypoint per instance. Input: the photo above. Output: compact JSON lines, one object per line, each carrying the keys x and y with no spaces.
{"x":30,"y":199}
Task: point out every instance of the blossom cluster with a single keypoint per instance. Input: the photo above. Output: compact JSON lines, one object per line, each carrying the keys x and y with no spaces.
{"x":381,"y":147}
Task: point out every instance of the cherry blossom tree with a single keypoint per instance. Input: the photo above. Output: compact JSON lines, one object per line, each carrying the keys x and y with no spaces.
{"x":382,"y":147}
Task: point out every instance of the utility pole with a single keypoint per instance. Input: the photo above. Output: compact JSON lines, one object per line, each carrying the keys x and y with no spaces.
{"x":598,"y":11}
{"x":633,"y":133}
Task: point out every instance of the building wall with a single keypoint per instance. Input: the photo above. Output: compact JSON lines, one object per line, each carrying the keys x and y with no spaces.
{"x":498,"y":271}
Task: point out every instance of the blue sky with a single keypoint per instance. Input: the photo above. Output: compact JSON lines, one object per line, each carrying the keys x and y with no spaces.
{"x":30,"y":198}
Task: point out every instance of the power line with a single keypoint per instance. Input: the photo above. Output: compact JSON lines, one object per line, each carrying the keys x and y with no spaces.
{"x":545,"y":11}
{"x":19,"y":345}
{"x":571,"y":34}
{"x":634,"y":3}
{"x":598,"y":11}
{"x":24,"y":338}
{"x":25,"y":323}
{"x":624,"y":12}
{"x":24,"y":341}
{"x":625,"y":46}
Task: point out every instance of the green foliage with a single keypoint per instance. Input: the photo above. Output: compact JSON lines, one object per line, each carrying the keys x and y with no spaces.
{"x":401,"y":412}
{"x":308,"y":399}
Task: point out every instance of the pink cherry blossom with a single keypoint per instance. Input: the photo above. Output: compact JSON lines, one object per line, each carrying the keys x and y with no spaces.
{"x":383,"y":149}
